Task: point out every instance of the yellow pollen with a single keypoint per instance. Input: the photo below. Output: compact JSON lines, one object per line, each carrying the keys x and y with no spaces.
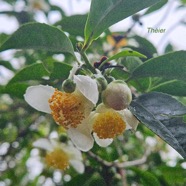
{"x":37,"y":5}
{"x":108,"y":125}
{"x":67,"y":109}
{"x":57,"y":159}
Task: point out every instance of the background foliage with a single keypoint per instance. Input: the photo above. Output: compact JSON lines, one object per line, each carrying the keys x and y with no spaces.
{"x":46,"y":57}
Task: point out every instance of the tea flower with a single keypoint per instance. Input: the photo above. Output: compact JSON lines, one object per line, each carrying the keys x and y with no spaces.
{"x":102,"y":125}
{"x":109,"y":123}
{"x":68,"y":109}
{"x":61,"y":156}
{"x":38,"y":5}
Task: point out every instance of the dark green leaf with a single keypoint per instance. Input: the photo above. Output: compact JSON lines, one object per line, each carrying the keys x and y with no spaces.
{"x":174,"y":175}
{"x":169,"y":48}
{"x":156,"y":7}
{"x":32,"y":72}
{"x":173,"y":87}
{"x":108,"y":12}
{"x":170,"y":66}
{"x":74,"y":25}
{"x":146,"y":178}
{"x":39,"y":36}
{"x":60,"y":71}
{"x":159,"y":112}
{"x":6,"y":64}
{"x":3,"y":38}
{"x":16,"y":89}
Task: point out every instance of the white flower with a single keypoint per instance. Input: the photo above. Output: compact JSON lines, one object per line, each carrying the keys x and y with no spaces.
{"x":38,"y":5}
{"x":69,"y":110}
{"x":105,"y":124}
{"x":60,"y":155}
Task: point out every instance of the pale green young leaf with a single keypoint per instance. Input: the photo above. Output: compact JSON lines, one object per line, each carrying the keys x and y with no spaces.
{"x":126,"y":53}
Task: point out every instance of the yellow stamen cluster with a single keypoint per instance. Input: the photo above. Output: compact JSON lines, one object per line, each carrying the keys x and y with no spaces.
{"x":57,"y":159}
{"x":108,"y":125}
{"x":37,"y":6}
{"x":67,"y":109}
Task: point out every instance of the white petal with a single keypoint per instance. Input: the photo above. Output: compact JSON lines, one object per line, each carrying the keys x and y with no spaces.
{"x":101,"y":108}
{"x":73,"y":152}
{"x":88,"y":87}
{"x":44,"y":144}
{"x":102,"y":142}
{"x":38,"y":96}
{"x":130,"y":119}
{"x":78,"y":166}
{"x":81,"y":137}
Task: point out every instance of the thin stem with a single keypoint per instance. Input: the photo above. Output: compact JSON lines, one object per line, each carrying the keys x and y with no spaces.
{"x":85,"y":58}
{"x":87,"y":62}
{"x":140,"y":161}
{"x":135,"y":162}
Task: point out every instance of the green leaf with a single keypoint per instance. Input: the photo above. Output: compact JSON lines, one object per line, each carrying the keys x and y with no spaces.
{"x":162,"y":114}
{"x":174,"y":175}
{"x":156,"y":7}
{"x":144,"y":46}
{"x":3,"y":38}
{"x":126,"y":53}
{"x":6,"y":64}
{"x":173,"y":87}
{"x":132,"y":63}
{"x":169,"y":48}
{"x":119,"y":73}
{"x":141,"y":85}
{"x":60,"y":71}
{"x":146,"y":178}
{"x":39,"y":36}
{"x":16,"y":89}
{"x":87,"y":179}
{"x":32,"y":72}
{"x":108,"y":12}
{"x":74,"y":25}
{"x":169,"y":66}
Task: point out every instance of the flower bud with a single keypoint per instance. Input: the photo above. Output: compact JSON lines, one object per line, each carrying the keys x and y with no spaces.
{"x":102,"y":83}
{"x":117,"y":95}
{"x":68,"y":86}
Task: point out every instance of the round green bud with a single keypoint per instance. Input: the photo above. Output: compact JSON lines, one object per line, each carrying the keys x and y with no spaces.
{"x":117,"y":95}
{"x":102,"y":83}
{"x":63,"y":138}
{"x":68,"y":86}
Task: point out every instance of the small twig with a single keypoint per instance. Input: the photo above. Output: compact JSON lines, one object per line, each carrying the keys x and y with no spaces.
{"x":102,"y":161}
{"x":121,"y":164}
{"x":135,"y":162}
